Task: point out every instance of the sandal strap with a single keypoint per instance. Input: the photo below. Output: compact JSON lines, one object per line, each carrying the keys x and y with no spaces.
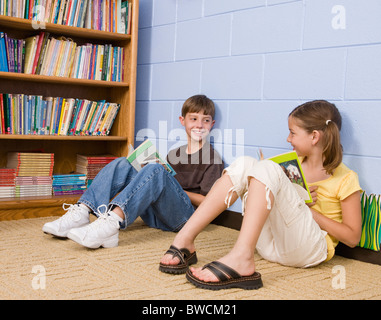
{"x":182,"y":254}
{"x":222,"y":271}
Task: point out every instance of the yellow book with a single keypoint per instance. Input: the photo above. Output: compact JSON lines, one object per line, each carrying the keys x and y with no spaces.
{"x":71,"y":60}
{"x":100,"y":62}
{"x":109,"y":108}
{"x":89,"y":118}
{"x":64,"y":106}
{"x":30,"y":48}
{"x":59,"y":56}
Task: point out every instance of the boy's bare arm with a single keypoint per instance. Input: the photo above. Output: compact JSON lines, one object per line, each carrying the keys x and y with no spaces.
{"x":195,"y":198}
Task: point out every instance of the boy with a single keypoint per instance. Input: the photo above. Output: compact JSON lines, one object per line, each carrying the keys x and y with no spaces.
{"x":162,"y":201}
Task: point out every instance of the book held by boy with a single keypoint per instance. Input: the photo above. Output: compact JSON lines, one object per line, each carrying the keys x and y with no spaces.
{"x":292,"y":167}
{"x":147,"y":153}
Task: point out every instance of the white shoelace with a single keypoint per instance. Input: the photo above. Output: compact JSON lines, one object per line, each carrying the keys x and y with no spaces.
{"x":103,"y":217}
{"x":72,"y":212}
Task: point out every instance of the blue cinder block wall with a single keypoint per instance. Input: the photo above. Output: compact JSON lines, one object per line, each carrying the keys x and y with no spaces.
{"x":258,"y":59}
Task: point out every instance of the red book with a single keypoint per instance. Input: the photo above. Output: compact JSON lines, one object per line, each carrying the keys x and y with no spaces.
{"x":38,"y":50}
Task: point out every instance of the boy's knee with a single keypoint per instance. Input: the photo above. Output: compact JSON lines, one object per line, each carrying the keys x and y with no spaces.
{"x":153,"y":168}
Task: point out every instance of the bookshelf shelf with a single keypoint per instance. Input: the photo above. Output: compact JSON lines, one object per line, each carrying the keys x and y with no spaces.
{"x":66,"y":148}
{"x":67,"y":138}
{"x":34,"y":26}
{"x":62,"y":80}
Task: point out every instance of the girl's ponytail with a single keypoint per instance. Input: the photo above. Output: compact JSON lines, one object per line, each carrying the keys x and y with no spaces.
{"x":332,"y":150}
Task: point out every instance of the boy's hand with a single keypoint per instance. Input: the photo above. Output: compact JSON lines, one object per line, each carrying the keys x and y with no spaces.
{"x":313,"y":191}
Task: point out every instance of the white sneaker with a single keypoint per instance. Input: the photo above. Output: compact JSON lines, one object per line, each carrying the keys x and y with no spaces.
{"x":102,"y":232}
{"x":75,"y":217}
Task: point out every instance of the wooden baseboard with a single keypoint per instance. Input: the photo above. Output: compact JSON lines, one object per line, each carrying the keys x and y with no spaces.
{"x":33,"y":207}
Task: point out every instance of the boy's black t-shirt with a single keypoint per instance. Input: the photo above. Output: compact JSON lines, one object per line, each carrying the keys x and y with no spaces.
{"x":196,"y":172}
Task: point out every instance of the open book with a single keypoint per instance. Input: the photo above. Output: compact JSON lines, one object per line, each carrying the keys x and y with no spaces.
{"x":144,"y":154}
{"x":291,"y":166}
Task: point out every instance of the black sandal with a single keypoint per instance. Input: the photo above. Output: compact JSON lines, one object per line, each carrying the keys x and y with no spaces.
{"x":228,"y":278}
{"x":186,"y":259}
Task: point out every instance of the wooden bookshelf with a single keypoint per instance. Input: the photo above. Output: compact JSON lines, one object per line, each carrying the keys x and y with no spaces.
{"x":65,"y":148}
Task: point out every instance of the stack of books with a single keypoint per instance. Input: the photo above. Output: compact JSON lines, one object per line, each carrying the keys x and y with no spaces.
{"x":33,"y":186}
{"x":106,"y":15}
{"x":7,"y":182}
{"x":69,"y":184}
{"x":28,"y":164}
{"x":29,"y":114}
{"x":33,"y":173}
{"x":91,"y":165}
{"x":50,"y":56}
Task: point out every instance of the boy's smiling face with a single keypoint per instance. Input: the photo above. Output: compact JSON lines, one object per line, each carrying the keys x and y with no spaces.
{"x":197,"y":125}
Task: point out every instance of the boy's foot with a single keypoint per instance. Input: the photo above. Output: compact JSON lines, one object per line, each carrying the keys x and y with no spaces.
{"x":102,"y":232}
{"x":75,"y":217}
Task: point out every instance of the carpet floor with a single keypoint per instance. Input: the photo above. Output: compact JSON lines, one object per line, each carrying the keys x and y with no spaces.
{"x":37,"y":266}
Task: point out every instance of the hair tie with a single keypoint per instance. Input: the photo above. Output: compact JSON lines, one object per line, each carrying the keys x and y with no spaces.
{"x":328,"y":121}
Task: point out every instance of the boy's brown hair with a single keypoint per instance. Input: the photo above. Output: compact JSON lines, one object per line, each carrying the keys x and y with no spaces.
{"x":323,"y":116}
{"x":198,"y":103}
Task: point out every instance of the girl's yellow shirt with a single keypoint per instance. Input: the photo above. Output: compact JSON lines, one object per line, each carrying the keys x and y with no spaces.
{"x":330,"y":192}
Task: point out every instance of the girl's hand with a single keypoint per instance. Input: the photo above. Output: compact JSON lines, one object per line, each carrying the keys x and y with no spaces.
{"x":313,"y":191}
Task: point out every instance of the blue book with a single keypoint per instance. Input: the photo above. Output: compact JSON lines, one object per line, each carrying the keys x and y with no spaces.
{"x":3,"y":54}
{"x":73,"y":8}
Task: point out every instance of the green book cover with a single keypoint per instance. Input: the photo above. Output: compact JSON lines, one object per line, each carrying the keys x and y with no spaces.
{"x":147,"y":153}
{"x":292,"y":167}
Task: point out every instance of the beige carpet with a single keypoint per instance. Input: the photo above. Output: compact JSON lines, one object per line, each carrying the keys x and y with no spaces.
{"x":130,"y":271}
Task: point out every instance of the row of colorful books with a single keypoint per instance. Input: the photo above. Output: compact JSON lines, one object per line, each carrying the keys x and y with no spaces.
{"x":62,"y":57}
{"x":105,"y":15}
{"x":30,"y":114}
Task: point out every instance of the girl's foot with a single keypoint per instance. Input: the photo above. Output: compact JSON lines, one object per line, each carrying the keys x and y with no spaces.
{"x":171,"y":259}
{"x":243,"y":266}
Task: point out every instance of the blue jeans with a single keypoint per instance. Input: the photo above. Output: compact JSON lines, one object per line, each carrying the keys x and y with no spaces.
{"x":152,"y":193}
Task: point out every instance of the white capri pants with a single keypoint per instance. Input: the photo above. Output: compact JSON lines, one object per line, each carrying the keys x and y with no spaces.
{"x":290,"y":235}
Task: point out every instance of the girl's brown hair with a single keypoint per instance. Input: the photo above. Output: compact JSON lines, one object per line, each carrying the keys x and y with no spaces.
{"x":323,"y":116}
{"x":198,"y":103}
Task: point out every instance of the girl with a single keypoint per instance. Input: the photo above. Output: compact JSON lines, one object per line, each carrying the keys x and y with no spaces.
{"x":276,"y":220}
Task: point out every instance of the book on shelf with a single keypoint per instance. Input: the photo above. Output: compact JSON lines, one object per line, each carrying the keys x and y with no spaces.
{"x":29,"y":114}
{"x":3,"y":54}
{"x":104,"y":15}
{"x":147,"y":153}
{"x":292,"y":167}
